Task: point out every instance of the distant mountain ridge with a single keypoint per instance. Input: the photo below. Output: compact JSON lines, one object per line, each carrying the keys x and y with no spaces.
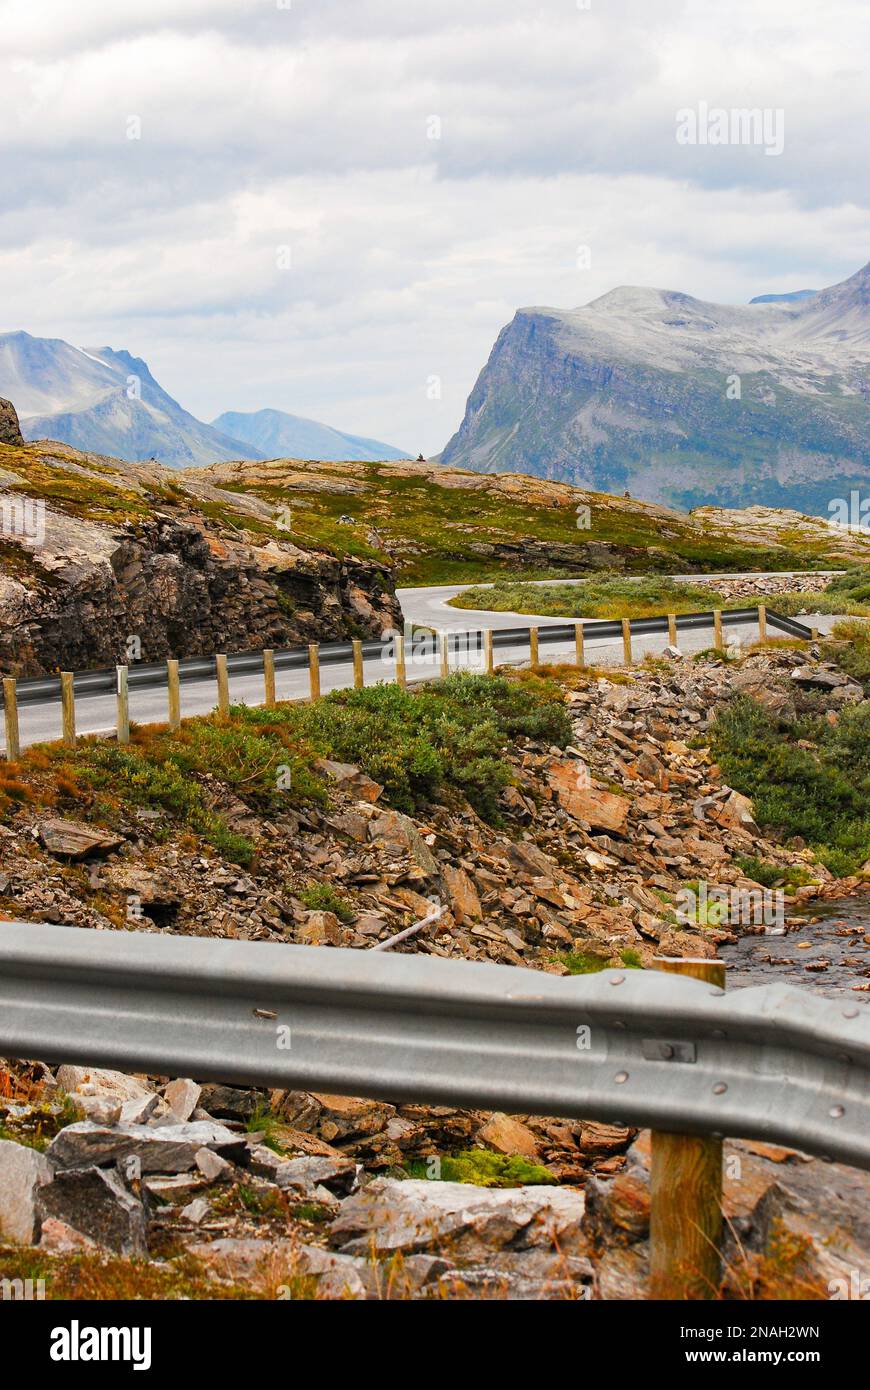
{"x":682,"y":401}
{"x":106,"y":401}
{"x":279,"y":435}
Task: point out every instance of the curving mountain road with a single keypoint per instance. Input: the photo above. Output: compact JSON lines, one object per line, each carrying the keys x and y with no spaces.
{"x":40,"y":721}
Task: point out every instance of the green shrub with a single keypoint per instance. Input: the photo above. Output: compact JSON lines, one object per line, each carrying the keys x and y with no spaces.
{"x":821,"y":794}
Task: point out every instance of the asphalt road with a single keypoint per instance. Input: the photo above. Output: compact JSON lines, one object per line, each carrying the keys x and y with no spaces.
{"x":95,"y":714}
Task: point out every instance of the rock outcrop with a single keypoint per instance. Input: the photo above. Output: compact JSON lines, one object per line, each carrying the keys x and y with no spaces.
{"x":679,"y":400}
{"x":103,"y":562}
{"x":10,"y":430}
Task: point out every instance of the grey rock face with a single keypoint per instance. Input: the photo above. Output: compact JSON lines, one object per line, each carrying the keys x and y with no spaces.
{"x":158,"y":1149}
{"x":23,"y":1172}
{"x":681,"y":401}
{"x":10,"y":429}
{"x":458,"y":1219}
{"x":99,"y":1206}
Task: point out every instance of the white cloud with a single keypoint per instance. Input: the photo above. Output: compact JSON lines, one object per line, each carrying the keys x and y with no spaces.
{"x":307,"y":127}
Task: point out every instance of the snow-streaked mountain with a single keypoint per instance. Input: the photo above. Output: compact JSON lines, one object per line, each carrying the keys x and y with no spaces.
{"x":680,"y":400}
{"x":104,"y":402}
{"x":278,"y":435}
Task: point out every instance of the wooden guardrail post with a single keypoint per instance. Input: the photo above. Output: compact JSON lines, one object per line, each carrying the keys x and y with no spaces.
{"x":626,"y":641}
{"x":173,"y":687}
{"x":223,"y":684}
{"x":444,"y":643}
{"x":269,"y":678}
{"x":762,"y":622}
{"x":314,"y":670}
{"x":717,"y":629}
{"x":488,"y":656}
{"x":401,"y":668}
{"x":359,"y":679}
{"x":686,"y":1191}
{"x":579,"y":644}
{"x":10,"y":715}
{"x":123,"y":704}
{"x":672,"y":629}
{"x":533,"y":646}
{"x":68,"y":708}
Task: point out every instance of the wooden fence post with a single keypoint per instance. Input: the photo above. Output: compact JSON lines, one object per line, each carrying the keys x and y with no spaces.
{"x":579,"y":643}
{"x":269,"y":677}
{"x":488,"y":656}
{"x":686,"y":1191}
{"x":173,"y":687}
{"x":672,"y":629}
{"x":444,"y":641}
{"x":401,"y":669}
{"x":533,"y":646}
{"x":68,"y":708}
{"x":717,"y":629}
{"x":223,"y":685}
{"x":123,"y":699}
{"x":359,"y":679}
{"x":626,"y":640}
{"x":762,"y":622}
{"x":314,"y":670}
{"x":10,"y":713}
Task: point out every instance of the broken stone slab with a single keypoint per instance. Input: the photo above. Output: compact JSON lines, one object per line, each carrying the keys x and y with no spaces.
{"x":97,"y":1081}
{"x":351,"y":779}
{"x":260,"y":1262}
{"x":397,"y":832}
{"x":101,"y":1109}
{"x":141,"y":1148}
{"x":213,"y":1167}
{"x":73,"y":840}
{"x":462,"y":895}
{"x":602,"y":810}
{"x":98,"y":1205}
{"x":230,"y":1103}
{"x":340,"y":1176}
{"x":60,"y":1239}
{"x":183,"y":1097}
{"x":458,"y":1219}
{"x":23,"y":1172}
{"x":508,"y":1136}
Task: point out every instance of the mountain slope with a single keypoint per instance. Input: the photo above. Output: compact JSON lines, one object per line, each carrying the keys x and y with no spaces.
{"x":105,"y":402}
{"x":682,"y":401}
{"x":278,"y":435}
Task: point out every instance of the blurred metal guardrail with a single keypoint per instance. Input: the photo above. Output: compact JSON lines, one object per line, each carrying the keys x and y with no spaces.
{"x":635,"y":1047}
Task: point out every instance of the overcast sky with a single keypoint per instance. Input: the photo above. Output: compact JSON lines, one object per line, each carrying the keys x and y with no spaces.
{"x":286,"y":232}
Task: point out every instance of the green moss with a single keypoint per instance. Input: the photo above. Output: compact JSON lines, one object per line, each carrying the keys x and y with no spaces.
{"x":485,"y":1169}
{"x":322,"y":897}
{"x":609,"y":596}
{"x":584,"y":962}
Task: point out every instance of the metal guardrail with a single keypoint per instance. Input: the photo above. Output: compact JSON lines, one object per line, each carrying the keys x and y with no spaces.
{"x":636,"y":1047}
{"x":152,"y":674}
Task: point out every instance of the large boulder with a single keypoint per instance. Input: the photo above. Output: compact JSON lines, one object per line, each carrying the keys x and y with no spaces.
{"x":458,"y":1219}
{"x":98,"y":1205}
{"x":10,"y":429}
{"x":23,"y":1172}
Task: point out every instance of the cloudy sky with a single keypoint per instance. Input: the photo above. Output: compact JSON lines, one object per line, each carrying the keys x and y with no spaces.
{"x":330,"y":206}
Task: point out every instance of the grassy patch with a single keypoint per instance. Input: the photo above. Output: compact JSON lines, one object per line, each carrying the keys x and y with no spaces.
{"x":821,"y":794}
{"x":790,"y":877}
{"x":607,"y":596}
{"x":485,"y":1169}
{"x":448,"y":735}
{"x":322,"y":897}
